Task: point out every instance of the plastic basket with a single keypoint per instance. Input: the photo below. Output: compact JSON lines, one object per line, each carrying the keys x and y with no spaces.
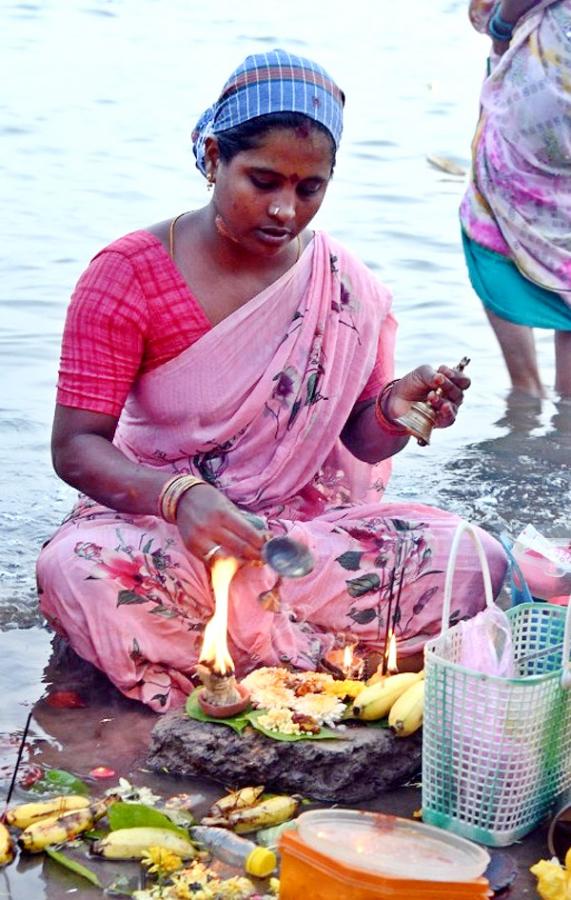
{"x":497,"y":751}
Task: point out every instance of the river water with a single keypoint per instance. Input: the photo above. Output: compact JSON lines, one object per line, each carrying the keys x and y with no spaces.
{"x":98,"y":101}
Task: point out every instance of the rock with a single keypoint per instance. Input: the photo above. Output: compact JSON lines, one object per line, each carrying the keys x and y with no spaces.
{"x":365,"y":763}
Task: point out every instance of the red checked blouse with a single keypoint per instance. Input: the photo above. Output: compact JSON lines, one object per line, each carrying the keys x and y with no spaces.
{"x":131,"y":311}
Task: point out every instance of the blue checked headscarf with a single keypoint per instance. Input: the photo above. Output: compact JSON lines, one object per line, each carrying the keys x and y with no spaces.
{"x":269,"y":83}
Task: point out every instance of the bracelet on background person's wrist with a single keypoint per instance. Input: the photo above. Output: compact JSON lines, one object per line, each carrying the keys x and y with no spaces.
{"x":498,"y":28}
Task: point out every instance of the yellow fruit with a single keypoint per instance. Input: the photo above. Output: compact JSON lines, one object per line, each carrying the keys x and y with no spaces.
{"x":6,"y":846}
{"x":376,"y":700}
{"x":239,"y":799}
{"x":42,"y":834}
{"x":28,"y":813}
{"x":272,"y":811}
{"x":133,"y":843}
{"x":407,"y":712}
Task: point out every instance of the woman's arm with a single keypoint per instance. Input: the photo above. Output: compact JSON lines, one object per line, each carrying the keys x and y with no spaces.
{"x":512,"y":10}
{"x":372,"y":438}
{"x":84,"y":456}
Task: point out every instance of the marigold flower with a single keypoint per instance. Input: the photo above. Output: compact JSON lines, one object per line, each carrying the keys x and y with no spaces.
{"x":160,"y":861}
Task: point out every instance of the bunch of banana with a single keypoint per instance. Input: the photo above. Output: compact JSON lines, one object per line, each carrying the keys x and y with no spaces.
{"x":239,"y":799}
{"x":56,"y":829}
{"x":6,"y":846}
{"x":133,"y":843}
{"x":28,"y":813}
{"x":243,"y":811}
{"x":272,"y":811}
{"x":407,"y":712}
{"x":376,"y":700}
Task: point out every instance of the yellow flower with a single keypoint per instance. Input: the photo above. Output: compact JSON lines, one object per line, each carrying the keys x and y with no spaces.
{"x":274,"y":886}
{"x":237,"y":888}
{"x":159,"y":861}
{"x":551,"y":880}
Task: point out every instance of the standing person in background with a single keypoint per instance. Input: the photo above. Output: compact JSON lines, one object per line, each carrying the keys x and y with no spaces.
{"x":516,"y":213}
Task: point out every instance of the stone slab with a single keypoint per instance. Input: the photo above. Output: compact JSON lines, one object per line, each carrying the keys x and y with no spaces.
{"x":365,"y":763}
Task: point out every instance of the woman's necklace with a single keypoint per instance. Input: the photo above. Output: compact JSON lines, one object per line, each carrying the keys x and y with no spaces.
{"x":298,"y":248}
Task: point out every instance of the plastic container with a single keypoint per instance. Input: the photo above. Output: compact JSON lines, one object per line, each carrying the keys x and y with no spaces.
{"x":496,"y":750}
{"x":387,"y":844}
{"x":546,"y":577}
{"x":235,"y":850}
{"x":316,"y":875}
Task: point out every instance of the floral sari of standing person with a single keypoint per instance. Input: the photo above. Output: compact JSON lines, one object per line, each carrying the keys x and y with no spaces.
{"x":230,"y":359}
{"x":516,"y":214}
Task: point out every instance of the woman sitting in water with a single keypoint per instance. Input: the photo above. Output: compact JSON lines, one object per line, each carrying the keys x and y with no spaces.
{"x":232,"y":359}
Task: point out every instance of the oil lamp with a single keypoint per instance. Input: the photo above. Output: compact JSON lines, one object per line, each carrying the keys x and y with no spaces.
{"x":343,"y":661}
{"x":420,"y":418}
{"x":221,"y":695}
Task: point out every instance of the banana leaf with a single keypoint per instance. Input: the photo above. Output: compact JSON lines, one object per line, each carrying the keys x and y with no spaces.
{"x":60,"y":782}
{"x":251,"y":717}
{"x":137,"y":815}
{"x":73,"y":866}
{"x":194,"y":711}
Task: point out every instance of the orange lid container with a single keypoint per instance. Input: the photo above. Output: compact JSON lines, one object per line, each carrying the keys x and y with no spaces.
{"x":312,"y":875}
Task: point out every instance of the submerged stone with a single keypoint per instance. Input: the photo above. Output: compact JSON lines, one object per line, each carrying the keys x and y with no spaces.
{"x":366,"y":762}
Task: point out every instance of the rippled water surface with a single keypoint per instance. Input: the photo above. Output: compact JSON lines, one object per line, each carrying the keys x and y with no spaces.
{"x":96,"y":109}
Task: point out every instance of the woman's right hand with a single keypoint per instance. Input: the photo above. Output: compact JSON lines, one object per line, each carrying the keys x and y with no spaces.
{"x":206,"y":518}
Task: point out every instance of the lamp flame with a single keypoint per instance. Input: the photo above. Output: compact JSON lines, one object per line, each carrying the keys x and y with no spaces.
{"x":214,"y":650}
{"x":347,"y":659}
{"x":392,"y":654}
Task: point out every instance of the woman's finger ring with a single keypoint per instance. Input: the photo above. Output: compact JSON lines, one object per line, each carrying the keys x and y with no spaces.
{"x":216,"y":548}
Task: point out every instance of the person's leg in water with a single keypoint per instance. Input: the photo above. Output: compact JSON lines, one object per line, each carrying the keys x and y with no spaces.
{"x":517,"y":344}
{"x":563,"y":363}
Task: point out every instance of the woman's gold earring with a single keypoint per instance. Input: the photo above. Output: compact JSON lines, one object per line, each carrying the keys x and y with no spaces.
{"x":210,"y":180}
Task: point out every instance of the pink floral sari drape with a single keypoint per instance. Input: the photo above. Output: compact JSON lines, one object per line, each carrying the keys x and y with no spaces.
{"x":518,"y":202}
{"x":256,"y":407}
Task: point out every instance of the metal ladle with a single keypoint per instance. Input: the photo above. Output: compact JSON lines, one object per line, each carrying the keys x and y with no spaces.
{"x":287,"y":557}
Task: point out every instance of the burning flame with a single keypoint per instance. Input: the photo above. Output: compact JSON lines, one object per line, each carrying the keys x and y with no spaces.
{"x":347,"y":659}
{"x":392,"y":653}
{"x":215,"y":646}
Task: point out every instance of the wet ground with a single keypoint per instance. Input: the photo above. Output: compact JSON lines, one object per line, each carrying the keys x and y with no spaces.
{"x":113,"y":732}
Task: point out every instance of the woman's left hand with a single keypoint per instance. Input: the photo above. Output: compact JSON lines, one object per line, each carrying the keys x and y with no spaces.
{"x":443,"y":390}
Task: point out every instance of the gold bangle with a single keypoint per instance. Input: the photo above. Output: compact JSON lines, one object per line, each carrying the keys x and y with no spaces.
{"x":173,"y":492}
{"x":387,"y":424}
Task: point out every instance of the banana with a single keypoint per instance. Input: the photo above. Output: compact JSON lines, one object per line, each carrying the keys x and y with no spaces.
{"x":6,"y":846}
{"x":28,"y":813}
{"x":132,"y":843}
{"x":272,"y":811}
{"x":236,"y":800}
{"x":68,"y":825}
{"x":376,"y":700}
{"x":406,"y":713}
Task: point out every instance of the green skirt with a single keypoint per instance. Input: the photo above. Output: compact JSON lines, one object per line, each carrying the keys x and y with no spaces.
{"x":507,"y":293}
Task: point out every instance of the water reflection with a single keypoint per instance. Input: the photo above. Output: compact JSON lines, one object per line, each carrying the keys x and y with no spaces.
{"x":521,"y":476}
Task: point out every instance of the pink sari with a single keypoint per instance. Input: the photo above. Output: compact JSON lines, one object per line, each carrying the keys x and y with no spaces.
{"x":256,"y":407}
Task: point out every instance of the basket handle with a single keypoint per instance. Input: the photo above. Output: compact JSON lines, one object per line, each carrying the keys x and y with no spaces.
{"x":467,"y":527}
{"x":566,"y":665}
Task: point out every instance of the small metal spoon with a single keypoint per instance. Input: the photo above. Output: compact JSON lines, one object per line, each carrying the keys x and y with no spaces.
{"x":287,"y":557}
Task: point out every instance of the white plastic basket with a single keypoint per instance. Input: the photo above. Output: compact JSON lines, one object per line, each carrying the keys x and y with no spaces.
{"x":497,"y":751}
